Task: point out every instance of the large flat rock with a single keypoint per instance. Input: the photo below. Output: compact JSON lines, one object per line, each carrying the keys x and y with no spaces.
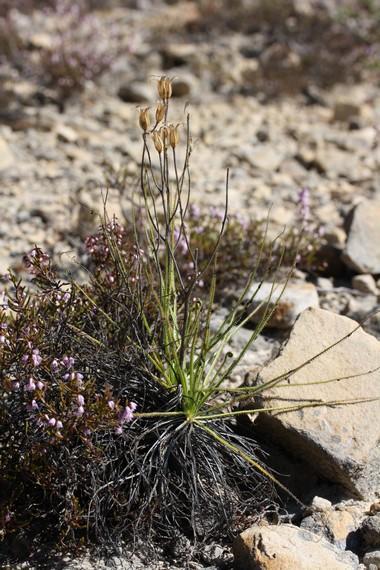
{"x":287,"y":547}
{"x":340,"y":442}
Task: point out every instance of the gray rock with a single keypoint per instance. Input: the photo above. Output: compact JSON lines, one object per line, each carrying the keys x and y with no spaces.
{"x":296,"y":298}
{"x":263,"y":157}
{"x":288,"y":547}
{"x":336,"y":524}
{"x":370,"y":531}
{"x":66,"y":134}
{"x":362,"y":251}
{"x":325,"y":284}
{"x":320,"y":505}
{"x":360,"y":307}
{"x":375,"y":508}
{"x":338,"y":163}
{"x":6,"y":155}
{"x":365,"y":284}
{"x":135,"y":92}
{"x":371,"y":560}
{"x":340,"y":442}
{"x":184,"y":85}
{"x":346,"y":110}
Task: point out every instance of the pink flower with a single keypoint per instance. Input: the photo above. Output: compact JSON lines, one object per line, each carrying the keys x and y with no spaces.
{"x":79,"y":378}
{"x":127,"y":413}
{"x":52,"y":422}
{"x":32,"y":406}
{"x":59,"y":424}
{"x":195,"y":211}
{"x":54,"y":365}
{"x":119,"y":430}
{"x":80,"y":400}
{"x":80,"y":411}
{"x":40,"y":385}
{"x":304,"y":204}
{"x":36,"y":358}
{"x":30,"y":386}
{"x":111,"y":404}
{"x":68,"y":362}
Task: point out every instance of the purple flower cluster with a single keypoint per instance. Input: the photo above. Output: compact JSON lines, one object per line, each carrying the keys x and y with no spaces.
{"x":98,"y":246}
{"x":36,"y":261}
{"x":80,"y":409}
{"x":82,"y":49}
{"x":304,"y":205}
{"x":32,"y":357}
{"x":125,"y":416}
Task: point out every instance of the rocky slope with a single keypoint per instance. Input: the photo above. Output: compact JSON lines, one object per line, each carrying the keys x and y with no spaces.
{"x":279,"y":125}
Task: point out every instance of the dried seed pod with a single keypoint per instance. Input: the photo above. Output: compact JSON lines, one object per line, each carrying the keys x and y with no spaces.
{"x":160,"y":112}
{"x":164,"y":88}
{"x":144,"y":118}
{"x":164,"y":134}
{"x":157,"y":140}
{"x":173,"y":135}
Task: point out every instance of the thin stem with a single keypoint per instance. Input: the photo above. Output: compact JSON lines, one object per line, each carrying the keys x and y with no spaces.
{"x":237,"y":451}
{"x":285,"y":409}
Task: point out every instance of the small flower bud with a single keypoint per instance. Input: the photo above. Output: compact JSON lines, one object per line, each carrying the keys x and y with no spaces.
{"x":158,"y":144}
{"x":164,"y":88}
{"x":144,"y":119}
{"x":160,"y":112}
{"x":173,"y":135}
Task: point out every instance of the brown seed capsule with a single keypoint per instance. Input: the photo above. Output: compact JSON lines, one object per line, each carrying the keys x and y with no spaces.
{"x":157,"y":140}
{"x":164,"y":134}
{"x":160,"y":112}
{"x":173,"y":135}
{"x":164,"y":88}
{"x":144,"y":118}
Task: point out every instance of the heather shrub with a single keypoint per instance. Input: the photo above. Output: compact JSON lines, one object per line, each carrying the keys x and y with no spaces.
{"x":79,"y":49}
{"x":56,"y":395}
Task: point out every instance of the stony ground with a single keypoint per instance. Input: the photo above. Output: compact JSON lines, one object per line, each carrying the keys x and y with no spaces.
{"x":55,"y":163}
